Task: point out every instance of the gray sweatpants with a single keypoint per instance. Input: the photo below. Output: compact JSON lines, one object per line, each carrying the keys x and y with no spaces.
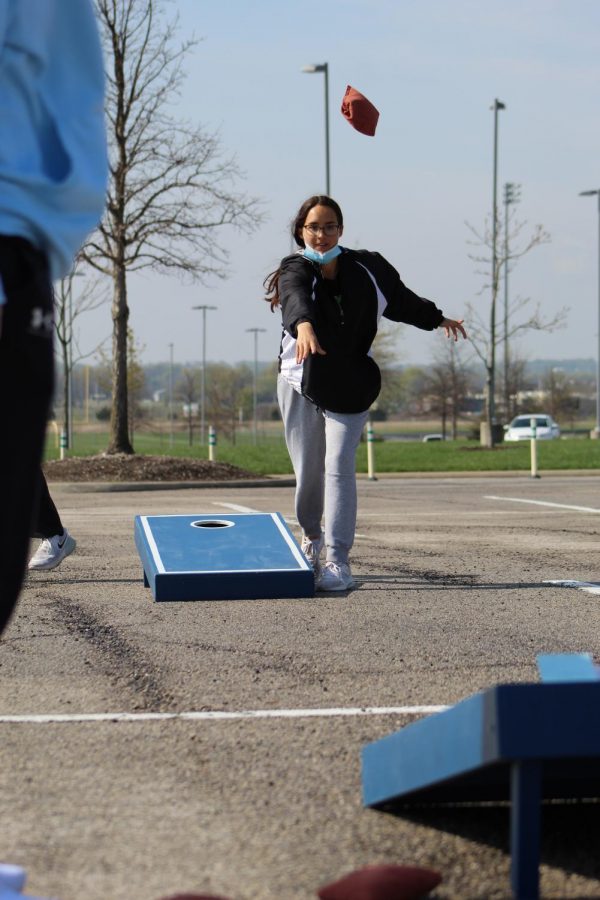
{"x":322,"y":446}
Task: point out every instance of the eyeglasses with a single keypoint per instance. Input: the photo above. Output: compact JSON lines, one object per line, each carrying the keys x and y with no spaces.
{"x":330,"y":229}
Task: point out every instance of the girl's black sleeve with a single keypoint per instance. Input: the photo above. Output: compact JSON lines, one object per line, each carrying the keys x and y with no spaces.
{"x":296,"y":285}
{"x":403,"y":305}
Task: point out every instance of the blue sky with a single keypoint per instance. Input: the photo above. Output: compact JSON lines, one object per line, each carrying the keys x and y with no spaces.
{"x":433,"y":69}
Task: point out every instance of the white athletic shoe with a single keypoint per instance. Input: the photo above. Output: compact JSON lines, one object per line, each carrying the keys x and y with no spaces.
{"x":335,"y":577}
{"x":52,"y":551}
{"x":312,"y":551}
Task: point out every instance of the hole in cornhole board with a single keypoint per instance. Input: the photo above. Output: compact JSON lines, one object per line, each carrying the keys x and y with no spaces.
{"x":213,"y":523}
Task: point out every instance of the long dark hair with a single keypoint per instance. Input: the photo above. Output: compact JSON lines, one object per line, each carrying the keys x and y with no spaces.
{"x":271,"y":282}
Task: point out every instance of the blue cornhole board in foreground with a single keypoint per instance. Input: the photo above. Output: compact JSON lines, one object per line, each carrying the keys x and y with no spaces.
{"x":235,"y":557}
{"x":523,"y":742}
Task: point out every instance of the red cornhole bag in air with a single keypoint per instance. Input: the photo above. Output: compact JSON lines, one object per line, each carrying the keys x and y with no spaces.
{"x":359,"y":111}
{"x":382,"y":883}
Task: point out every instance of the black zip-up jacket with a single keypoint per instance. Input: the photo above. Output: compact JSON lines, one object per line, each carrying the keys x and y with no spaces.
{"x":305,"y":297}
{"x":344,"y":314}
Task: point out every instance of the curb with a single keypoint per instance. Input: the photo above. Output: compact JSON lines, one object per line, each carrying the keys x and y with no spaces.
{"x":482,"y":473}
{"x":96,"y":487}
{"x":277,"y":481}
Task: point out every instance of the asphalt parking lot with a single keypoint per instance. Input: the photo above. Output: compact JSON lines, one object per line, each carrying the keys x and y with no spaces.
{"x":453,"y":595}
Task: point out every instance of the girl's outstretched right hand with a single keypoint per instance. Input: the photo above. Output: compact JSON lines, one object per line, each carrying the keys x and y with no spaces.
{"x":307,"y":342}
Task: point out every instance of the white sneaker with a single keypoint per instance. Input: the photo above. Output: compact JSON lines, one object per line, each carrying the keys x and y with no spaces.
{"x":52,"y":551}
{"x":335,"y":577}
{"x":312,"y":551}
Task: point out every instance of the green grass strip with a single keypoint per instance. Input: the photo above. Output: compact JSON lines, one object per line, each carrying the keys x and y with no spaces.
{"x":270,"y":457}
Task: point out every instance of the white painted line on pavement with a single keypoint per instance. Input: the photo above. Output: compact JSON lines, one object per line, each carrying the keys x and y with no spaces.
{"x":220,"y":715}
{"x":590,"y":509}
{"x":590,"y":587}
{"x":235,"y":507}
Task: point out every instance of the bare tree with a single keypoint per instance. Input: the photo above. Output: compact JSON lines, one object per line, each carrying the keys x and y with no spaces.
{"x":410,"y":392}
{"x":560,"y":397}
{"x":135,"y":381}
{"x":520,"y":317}
{"x":267,"y":383}
{"x":387,"y":356}
{"x":171,"y":187}
{"x":447,"y":382}
{"x":228,"y":387}
{"x":187,"y":389}
{"x":68,"y":307}
{"x":135,"y":378}
{"x":515,"y":381}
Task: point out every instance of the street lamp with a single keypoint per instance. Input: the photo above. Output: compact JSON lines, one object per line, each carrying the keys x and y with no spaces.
{"x":255,"y":331}
{"x":68,"y":332}
{"x":596,"y":431}
{"x":170,"y":395}
{"x":512,"y":194}
{"x":203,"y":382}
{"x":492,"y":373}
{"x":323,"y":67}
{"x":69,"y":335}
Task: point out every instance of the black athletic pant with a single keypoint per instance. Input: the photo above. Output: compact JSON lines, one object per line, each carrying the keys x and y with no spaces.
{"x":47,"y":522}
{"x":26,"y":382}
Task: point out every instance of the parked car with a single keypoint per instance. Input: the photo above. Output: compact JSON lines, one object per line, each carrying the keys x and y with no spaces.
{"x":432,"y":437}
{"x":520,"y":428}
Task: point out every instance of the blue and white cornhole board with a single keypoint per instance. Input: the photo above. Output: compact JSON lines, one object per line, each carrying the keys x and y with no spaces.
{"x":236,"y":557}
{"x":526,"y":742}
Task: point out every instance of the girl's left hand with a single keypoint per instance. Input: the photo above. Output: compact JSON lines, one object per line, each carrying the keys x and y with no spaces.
{"x":453,"y":327}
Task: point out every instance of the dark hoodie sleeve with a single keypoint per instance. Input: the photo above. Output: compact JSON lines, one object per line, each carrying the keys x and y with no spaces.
{"x":296,"y":282}
{"x":403,"y":305}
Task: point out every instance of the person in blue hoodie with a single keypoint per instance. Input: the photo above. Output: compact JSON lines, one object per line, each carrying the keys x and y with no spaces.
{"x":53,"y":177}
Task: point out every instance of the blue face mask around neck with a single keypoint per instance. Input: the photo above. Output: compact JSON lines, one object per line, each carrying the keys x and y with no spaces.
{"x":322,"y":258}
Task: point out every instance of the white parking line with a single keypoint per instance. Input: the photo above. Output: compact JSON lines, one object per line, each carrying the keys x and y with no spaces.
{"x":220,"y":715}
{"x":590,"y":509}
{"x":235,"y":507}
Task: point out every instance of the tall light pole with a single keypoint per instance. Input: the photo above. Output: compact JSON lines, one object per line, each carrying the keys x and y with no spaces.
{"x":86,"y":384}
{"x":69,"y":360}
{"x":596,"y":431}
{"x":492,"y":358}
{"x":255,"y":331}
{"x":512,"y":194}
{"x":170,"y":395}
{"x":324,"y":68}
{"x":203,"y":381}
{"x":70,"y":365}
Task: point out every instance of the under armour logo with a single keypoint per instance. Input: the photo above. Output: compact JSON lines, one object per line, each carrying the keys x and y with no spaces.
{"x":41,"y":321}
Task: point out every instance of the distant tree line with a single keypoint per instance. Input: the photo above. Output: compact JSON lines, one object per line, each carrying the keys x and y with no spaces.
{"x":449,"y":389}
